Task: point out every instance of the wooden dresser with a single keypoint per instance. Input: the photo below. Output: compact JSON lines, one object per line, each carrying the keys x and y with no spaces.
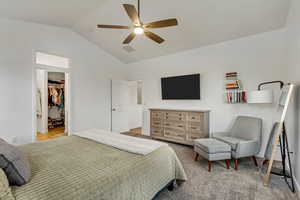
{"x":180,"y":126}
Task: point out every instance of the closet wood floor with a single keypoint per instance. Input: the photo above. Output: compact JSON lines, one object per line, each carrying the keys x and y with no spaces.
{"x":53,"y":133}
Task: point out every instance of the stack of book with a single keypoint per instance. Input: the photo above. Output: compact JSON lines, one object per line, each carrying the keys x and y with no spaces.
{"x":233,"y":85}
{"x":231,"y":76}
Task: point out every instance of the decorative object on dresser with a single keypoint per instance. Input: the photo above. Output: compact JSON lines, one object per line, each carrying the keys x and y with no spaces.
{"x":234,"y":89}
{"x":180,"y":126}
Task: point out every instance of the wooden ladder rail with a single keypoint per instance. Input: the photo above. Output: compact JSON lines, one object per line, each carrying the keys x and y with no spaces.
{"x":278,"y":134}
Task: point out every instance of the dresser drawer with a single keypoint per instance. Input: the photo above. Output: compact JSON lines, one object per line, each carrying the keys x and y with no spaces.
{"x":175,"y":114}
{"x":157,"y":122}
{"x":195,"y":127}
{"x":181,"y":126}
{"x":174,"y":134}
{"x":195,"y":136}
{"x":157,"y":115}
{"x":195,"y":117}
{"x":175,"y":118}
{"x":156,"y":131}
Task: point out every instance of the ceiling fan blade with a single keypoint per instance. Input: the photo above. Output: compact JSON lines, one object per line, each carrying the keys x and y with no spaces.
{"x":162,"y":23}
{"x":113,"y":26}
{"x":154,"y":37}
{"x":133,"y":14}
{"x":129,"y":38}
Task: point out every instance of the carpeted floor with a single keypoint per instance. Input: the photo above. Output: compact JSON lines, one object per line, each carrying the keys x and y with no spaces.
{"x":223,"y":184}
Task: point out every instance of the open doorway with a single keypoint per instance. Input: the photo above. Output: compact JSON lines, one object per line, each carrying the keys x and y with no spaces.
{"x":51,"y":104}
{"x":51,"y":91}
{"x":127,"y":107}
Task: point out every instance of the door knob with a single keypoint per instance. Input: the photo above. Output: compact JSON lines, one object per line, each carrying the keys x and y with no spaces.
{"x":114,"y":109}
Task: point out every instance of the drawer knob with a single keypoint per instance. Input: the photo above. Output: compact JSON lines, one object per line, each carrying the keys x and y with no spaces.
{"x":193,"y":117}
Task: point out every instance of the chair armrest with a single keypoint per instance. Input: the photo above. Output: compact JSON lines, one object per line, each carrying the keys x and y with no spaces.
{"x":247,"y":148}
{"x":218,"y":134}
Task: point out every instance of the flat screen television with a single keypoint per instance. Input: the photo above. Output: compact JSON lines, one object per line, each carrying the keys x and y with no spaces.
{"x":181,"y":87}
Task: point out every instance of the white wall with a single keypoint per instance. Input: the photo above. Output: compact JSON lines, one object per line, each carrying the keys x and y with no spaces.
{"x":257,"y":59}
{"x":90,"y":73}
{"x":293,"y":36}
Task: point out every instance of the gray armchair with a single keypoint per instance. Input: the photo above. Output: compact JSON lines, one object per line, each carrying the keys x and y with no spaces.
{"x":244,"y":138}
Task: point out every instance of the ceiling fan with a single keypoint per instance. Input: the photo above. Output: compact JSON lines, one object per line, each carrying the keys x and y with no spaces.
{"x":138,"y":27}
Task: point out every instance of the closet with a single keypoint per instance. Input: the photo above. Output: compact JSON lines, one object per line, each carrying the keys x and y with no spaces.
{"x":52,"y":104}
{"x":56,"y":104}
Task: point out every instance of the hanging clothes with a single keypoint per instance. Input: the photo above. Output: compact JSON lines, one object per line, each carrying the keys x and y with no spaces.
{"x":56,"y":101}
{"x":56,"y":96}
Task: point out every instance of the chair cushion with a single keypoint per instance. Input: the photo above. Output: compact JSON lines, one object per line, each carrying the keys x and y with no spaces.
{"x":232,"y":141}
{"x":213,"y":156}
{"x":15,"y":164}
{"x":248,"y":128}
{"x":212,"y":146}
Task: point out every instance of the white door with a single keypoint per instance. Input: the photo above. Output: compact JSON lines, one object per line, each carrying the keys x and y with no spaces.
{"x":120,"y":105}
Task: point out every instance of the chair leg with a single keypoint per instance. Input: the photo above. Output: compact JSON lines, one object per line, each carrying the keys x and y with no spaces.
{"x":196,"y":155}
{"x":227,"y":164}
{"x":255,"y":161}
{"x":209,"y":166}
{"x":236,"y":164}
{"x":265,"y":162}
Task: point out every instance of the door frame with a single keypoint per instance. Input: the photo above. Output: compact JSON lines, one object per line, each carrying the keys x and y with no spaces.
{"x":48,"y":69}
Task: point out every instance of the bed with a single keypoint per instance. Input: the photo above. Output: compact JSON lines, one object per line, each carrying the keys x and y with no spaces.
{"x":76,"y":168}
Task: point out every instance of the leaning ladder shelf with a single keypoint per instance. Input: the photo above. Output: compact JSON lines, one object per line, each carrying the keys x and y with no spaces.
{"x":278,"y":134}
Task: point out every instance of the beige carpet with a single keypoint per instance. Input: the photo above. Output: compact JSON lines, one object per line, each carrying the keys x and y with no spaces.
{"x":223,"y":184}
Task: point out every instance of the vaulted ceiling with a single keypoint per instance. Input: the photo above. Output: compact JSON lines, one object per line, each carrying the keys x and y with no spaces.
{"x":201,"y":22}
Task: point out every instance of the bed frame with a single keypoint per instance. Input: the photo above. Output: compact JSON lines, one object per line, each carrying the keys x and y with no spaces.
{"x":169,"y":186}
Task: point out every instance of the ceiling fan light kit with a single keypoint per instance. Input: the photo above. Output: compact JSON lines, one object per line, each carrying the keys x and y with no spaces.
{"x":138,"y":30}
{"x":138,"y":27}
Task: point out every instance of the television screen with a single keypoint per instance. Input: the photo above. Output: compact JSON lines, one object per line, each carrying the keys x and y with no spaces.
{"x":181,"y":87}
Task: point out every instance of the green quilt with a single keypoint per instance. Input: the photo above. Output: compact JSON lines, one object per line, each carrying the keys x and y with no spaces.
{"x":72,"y":168}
